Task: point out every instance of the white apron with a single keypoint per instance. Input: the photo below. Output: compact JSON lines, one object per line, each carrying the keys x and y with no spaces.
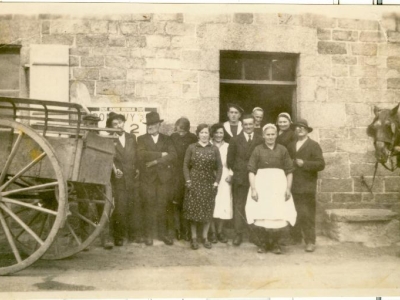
{"x":223,"y":200}
{"x":271,"y":210}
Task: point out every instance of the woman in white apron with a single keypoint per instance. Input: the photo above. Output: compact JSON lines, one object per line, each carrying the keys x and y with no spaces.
{"x":270,"y":204}
{"x":223,"y":201}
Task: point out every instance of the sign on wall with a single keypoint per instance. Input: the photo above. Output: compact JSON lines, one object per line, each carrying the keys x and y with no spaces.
{"x":135,"y":114}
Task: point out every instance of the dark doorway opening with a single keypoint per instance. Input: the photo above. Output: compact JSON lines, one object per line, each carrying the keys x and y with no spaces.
{"x":257,"y":79}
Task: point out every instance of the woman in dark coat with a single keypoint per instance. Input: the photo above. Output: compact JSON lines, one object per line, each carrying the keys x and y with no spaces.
{"x":181,"y":138}
{"x":285,"y":133}
{"x":202,"y":169}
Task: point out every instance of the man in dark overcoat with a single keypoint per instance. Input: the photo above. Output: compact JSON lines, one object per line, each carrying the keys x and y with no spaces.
{"x":157,"y":156}
{"x":308,"y":161}
{"x":239,"y":152}
{"x":126,"y":214}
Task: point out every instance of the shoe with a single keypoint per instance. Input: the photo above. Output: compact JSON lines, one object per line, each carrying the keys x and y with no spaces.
{"x":167,"y":240}
{"x":207,"y":244}
{"x":310,"y":248}
{"x":276,"y":249}
{"x":108,"y":245}
{"x":119,"y":243}
{"x":213,"y":238}
{"x":178,"y":235}
{"x":222,"y":238}
{"x":194,"y":245}
{"x":148,"y":242}
{"x":237,"y":240}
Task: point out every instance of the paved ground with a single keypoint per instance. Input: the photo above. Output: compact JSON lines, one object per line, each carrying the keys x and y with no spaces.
{"x":137,"y":267}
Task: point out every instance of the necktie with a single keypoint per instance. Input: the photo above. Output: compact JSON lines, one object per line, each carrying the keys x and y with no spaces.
{"x":249,"y":140}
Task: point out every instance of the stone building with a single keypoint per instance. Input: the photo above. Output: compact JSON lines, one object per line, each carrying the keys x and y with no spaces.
{"x":330,"y":70}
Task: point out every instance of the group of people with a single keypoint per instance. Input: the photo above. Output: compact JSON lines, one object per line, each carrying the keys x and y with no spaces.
{"x":186,"y":185}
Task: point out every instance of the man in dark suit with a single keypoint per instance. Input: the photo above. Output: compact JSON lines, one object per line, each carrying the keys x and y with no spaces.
{"x":233,"y":126}
{"x":239,"y":152}
{"x":308,"y":160}
{"x":126,"y":214}
{"x":157,"y":156}
{"x":258,"y":114}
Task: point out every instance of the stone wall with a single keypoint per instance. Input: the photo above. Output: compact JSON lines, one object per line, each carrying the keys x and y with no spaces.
{"x":345,"y":67}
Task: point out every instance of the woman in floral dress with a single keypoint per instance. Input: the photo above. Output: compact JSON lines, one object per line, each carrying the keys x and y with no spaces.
{"x":202,"y":169}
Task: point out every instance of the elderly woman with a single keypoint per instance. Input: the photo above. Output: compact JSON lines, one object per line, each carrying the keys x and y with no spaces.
{"x":181,"y":138}
{"x":223,"y":201}
{"x":202,"y":169}
{"x":269,"y":202}
{"x":285,"y":133}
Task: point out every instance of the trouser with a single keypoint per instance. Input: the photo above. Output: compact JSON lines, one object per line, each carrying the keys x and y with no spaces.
{"x":305,"y":224}
{"x":239,"y":204}
{"x":123,"y":220}
{"x":158,"y":208}
{"x":180,"y":223}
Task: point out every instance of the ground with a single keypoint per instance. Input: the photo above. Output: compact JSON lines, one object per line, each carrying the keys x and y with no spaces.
{"x":163,"y":268}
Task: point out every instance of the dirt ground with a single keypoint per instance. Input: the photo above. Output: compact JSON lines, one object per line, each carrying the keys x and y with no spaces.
{"x":162,"y":268}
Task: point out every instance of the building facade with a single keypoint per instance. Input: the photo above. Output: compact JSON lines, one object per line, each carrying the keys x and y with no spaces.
{"x":328,"y":70}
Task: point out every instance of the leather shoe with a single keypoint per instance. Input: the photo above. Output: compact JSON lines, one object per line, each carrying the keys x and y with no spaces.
{"x":237,"y":240}
{"x":276,"y":249}
{"x":207,"y":244}
{"x":213,"y":238}
{"x":222,"y":238}
{"x":310,"y":248}
{"x":167,"y":240}
{"x":194,"y":245}
{"x":108,"y":245}
{"x":119,"y":243}
{"x":148,"y":242}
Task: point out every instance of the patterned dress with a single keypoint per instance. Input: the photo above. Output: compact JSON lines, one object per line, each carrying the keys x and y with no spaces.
{"x":203,"y":166}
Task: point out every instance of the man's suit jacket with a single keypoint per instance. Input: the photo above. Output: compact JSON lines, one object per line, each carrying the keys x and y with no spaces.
{"x":149,"y":151}
{"x":125,"y":159}
{"x":305,"y":177}
{"x":239,"y":152}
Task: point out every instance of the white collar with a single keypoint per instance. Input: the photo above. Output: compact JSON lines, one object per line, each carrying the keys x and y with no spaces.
{"x":248,"y":134}
{"x":122,"y":139}
{"x":227,"y":127}
{"x":155,"y":138}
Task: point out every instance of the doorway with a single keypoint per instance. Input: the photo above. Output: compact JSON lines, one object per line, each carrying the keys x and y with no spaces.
{"x":258,"y":79}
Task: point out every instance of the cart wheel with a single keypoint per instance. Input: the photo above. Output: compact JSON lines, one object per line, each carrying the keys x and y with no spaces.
{"x":29,"y":216}
{"x":89,"y":211}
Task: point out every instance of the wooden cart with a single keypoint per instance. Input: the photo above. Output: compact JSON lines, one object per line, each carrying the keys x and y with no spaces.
{"x":55,"y":168}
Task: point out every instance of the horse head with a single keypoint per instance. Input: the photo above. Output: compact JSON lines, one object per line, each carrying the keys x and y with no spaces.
{"x":384,"y":131}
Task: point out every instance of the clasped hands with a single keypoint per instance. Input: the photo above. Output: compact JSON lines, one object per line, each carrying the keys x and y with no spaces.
{"x":254,"y":194}
{"x":154,"y":162}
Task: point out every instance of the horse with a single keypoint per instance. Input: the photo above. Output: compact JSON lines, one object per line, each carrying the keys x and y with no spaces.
{"x":385,"y":131}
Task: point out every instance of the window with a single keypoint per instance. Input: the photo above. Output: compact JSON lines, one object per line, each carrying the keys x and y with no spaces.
{"x":9,"y":70}
{"x":251,"y":79}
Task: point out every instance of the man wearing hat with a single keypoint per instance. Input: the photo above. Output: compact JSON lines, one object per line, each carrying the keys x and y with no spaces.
{"x":233,"y":126}
{"x":126,"y":210}
{"x":258,"y":114}
{"x":157,"y":156}
{"x":308,"y":161}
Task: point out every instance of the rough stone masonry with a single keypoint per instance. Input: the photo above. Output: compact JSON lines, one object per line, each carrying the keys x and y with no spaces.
{"x":345,"y":67}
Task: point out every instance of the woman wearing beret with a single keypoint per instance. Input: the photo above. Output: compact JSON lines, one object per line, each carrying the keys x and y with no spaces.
{"x":285,"y":133}
{"x":270,"y":204}
{"x":202,"y":169}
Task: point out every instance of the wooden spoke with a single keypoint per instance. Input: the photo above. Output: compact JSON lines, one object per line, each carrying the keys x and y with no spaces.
{"x":21,"y":223}
{"x":31,"y":188}
{"x":29,"y":223}
{"x":11,"y":156}
{"x":10,"y":238}
{"x":23,"y":170}
{"x":85,"y":219}
{"x":43,"y":225}
{"x":77,"y":239}
{"x":38,"y":208}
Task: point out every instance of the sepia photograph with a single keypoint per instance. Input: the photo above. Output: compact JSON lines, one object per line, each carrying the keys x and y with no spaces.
{"x":199,"y":150}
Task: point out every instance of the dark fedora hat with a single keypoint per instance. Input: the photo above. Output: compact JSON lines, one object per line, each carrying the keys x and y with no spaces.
{"x":229,"y":105}
{"x":302,"y":123}
{"x":91,"y":117}
{"x":112,"y":116}
{"x":152,"y":118}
